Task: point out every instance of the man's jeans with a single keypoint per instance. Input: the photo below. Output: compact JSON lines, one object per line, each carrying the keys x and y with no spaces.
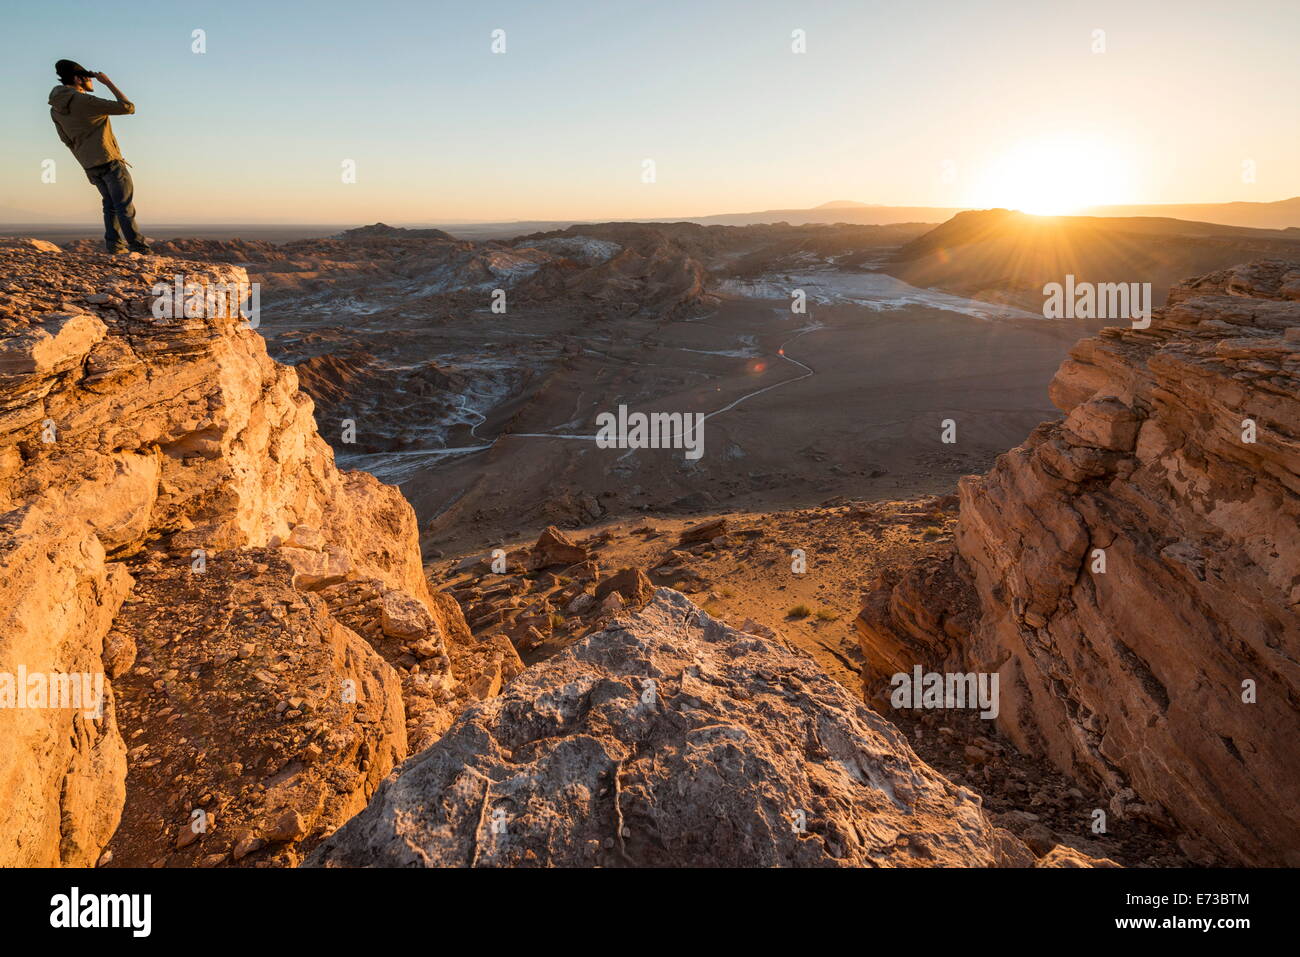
{"x":114,"y":184}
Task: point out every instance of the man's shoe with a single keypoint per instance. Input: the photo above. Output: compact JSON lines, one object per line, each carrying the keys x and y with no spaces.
{"x":118,"y":251}
{"x":141,"y":248}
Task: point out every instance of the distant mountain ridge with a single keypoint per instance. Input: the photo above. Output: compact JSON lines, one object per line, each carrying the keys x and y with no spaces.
{"x":384,"y":231}
{"x":843,"y":204}
{"x":1282,"y":214}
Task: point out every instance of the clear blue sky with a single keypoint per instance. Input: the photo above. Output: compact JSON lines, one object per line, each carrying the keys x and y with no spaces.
{"x":256,"y":128}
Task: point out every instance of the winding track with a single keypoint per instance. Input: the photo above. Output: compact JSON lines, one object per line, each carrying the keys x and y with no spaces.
{"x":468,"y":449}
{"x":896,"y":292}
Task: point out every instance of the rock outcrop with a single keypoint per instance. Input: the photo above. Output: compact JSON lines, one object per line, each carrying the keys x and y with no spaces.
{"x":138,"y":454}
{"x":670,"y":739}
{"x":1132,"y":572}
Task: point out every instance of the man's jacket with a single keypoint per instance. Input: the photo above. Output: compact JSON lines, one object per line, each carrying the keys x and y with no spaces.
{"x":82,"y":122}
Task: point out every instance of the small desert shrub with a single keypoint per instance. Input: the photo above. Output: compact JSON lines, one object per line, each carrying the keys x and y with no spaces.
{"x":799,"y":611}
{"x":825,"y":614}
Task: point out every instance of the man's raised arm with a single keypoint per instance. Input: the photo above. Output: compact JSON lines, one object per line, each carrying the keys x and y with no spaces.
{"x":102,"y":107}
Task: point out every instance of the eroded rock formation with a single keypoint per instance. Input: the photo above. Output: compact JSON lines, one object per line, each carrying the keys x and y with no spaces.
{"x":1133,"y":572}
{"x":170,"y":464}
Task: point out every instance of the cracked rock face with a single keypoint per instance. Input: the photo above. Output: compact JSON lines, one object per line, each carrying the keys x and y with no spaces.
{"x":670,"y":739}
{"x":1135,"y":570}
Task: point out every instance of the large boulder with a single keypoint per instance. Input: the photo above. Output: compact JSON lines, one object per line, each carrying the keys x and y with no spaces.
{"x":631,"y":583}
{"x":670,"y":739}
{"x":554,"y":547}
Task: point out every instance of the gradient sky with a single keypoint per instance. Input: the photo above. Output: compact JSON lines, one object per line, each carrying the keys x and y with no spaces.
{"x":888,"y":99}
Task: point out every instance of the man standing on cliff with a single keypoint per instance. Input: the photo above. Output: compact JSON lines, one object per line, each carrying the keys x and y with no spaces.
{"x":83,"y":125}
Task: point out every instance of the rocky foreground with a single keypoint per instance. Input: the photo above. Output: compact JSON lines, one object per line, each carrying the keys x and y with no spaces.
{"x":669,"y":739}
{"x":270,"y":651}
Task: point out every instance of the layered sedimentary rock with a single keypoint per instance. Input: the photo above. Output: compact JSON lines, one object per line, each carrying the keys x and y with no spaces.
{"x":1133,"y":571}
{"x":669,"y":739}
{"x":146,"y":451}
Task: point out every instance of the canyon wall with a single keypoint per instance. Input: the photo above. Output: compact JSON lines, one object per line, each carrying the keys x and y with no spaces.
{"x":1132,"y":572}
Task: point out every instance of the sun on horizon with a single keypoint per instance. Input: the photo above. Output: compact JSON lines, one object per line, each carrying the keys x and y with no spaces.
{"x":1055,"y":175}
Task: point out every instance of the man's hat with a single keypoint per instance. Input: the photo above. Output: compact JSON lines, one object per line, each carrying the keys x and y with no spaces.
{"x":69,"y":70}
